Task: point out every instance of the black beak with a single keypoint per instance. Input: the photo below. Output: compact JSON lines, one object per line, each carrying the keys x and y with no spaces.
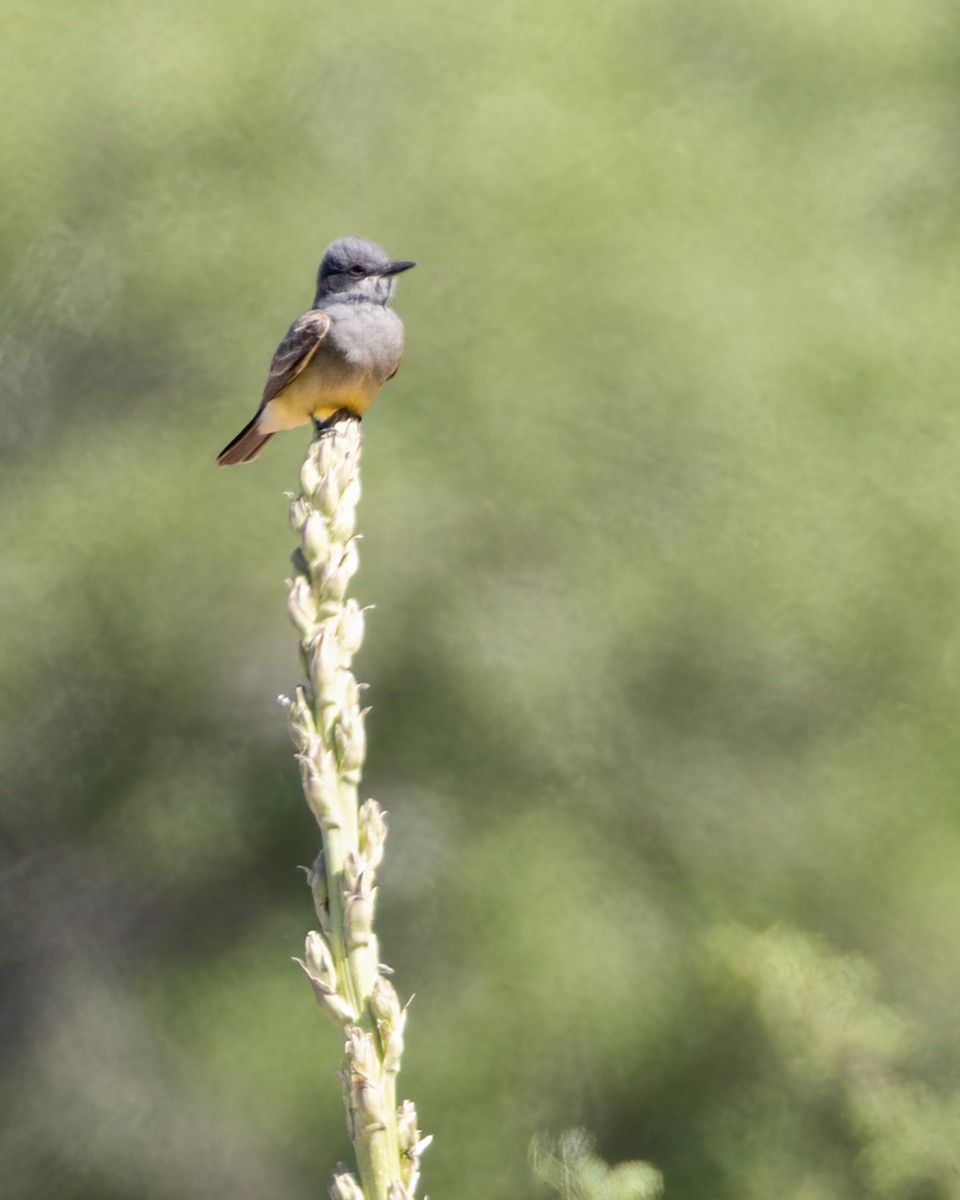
{"x":396,"y":267}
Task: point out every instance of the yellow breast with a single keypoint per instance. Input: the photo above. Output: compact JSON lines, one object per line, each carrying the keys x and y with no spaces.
{"x":315,"y":393}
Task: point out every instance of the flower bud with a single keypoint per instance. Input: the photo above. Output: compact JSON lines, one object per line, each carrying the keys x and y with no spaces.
{"x":412,"y":1145}
{"x":310,"y":476}
{"x":392,"y":1052}
{"x":333,"y":1005}
{"x":349,"y":691}
{"x":359,"y":907}
{"x":318,"y":960}
{"x":407,"y":1132}
{"x":351,"y":741}
{"x":352,"y":870}
{"x":343,"y":520}
{"x":299,"y":511}
{"x":302,"y":605}
{"x":325,"y":665}
{"x":317,"y":964}
{"x":316,"y":538}
{"x":362,"y":1082}
{"x":300,"y":717}
{"x":385,"y":1005}
{"x":343,"y":1186}
{"x":350,"y":631}
{"x":327,"y":495}
{"x":350,"y":488}
{"x":337,"y":579}
{"x":360,"y":1052}
{"x":373,"y":833}
{"x":321,"y":789}
{"x":343,"y":457}
{"x":317,"y":882}
{"x":325,"y":453}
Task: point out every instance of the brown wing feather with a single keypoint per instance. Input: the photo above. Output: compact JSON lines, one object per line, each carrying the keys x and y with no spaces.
{"x":295,"y":351}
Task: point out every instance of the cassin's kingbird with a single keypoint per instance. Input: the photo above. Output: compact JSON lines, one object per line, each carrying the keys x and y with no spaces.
{"x":337,"y":356}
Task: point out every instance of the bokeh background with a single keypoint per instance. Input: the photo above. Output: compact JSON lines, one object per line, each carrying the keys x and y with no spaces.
{"x":661,"y":526}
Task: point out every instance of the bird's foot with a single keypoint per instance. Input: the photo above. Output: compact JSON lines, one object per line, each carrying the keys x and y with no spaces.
{"x":328,"y":424}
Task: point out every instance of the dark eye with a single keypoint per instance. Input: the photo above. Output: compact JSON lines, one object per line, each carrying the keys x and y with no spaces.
{"x":356,"y":269}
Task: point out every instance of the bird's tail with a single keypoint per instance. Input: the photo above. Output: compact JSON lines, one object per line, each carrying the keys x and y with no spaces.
{"x":245,"y":446}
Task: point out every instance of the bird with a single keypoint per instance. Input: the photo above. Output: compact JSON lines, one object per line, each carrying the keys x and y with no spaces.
{"x":336,"y":356}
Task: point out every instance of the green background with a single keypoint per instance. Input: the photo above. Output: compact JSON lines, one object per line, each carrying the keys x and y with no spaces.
{"x":660,"y":523}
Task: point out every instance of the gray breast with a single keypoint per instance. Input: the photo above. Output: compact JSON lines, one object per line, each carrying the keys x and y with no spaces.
{"x":368,"y":336}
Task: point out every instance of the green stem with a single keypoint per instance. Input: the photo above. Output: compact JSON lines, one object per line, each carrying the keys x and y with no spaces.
{"x":342,"y":960}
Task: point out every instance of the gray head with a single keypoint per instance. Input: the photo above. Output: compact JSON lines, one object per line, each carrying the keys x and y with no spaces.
{"x":355,"y":269}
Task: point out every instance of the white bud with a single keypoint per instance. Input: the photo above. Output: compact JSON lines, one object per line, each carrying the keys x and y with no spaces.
{"x":309,"y":476}
{"x":299,"y":511}
{"x":326,"y":495}
{"x":385,"y":1005}
{"x":302,"y":605}
{"x":343,"y":1186}
{"x":359,"y":912}
{"x":407,"y":1132}
{"x":351,"y":628}
{"x":337,"y":579}
{"x":343,"y":520}
{"x":320,"y":787}
{"x":316,"y":538}
{"x":325,"y":453}
{"x":373,"y":833}
{"x":325,"y":665}
{"x":351,"y":740}
{"x":318,"y":960}
{"x":362,"y":1082}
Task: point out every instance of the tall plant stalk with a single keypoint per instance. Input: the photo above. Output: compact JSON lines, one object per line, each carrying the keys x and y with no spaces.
{"x":342,"y":958}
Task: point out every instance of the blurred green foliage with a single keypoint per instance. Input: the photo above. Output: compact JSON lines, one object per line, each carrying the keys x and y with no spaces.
{"x":661,"y":527}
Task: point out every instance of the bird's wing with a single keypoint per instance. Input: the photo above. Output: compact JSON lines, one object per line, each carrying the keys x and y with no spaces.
{"x":295,"y":351}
